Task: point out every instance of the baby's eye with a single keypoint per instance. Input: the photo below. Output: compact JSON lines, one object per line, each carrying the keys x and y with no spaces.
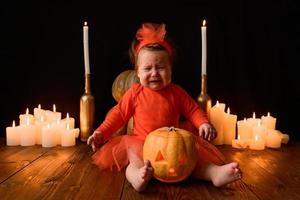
{"x":147,"y":69}
{"x":161,"y":67}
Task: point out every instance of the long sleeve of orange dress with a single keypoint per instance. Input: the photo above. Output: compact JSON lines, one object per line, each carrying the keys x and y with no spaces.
{"x":150,"y":110}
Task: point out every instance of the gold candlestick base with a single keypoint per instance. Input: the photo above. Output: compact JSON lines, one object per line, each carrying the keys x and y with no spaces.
{"x":87,"y":111}
{"x":203,"y":99}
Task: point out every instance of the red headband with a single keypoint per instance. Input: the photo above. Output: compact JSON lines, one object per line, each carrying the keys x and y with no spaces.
{"x":151,"y":33}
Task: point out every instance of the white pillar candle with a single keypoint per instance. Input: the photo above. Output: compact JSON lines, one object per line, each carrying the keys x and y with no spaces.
{"x":257,"y":143}
{"x":52,"y":116}
{"x":253,"y":121}
{"x":217,"y":119}
{"x":240,"y":143}
{"x":68,"y":137}
{"x":23,"y":118}
{"x":12,"y":135}
{"x":39,"y":127}
{"x":244,"y":129}
{"x":68,"y":120}
{"x":260,"y":130}
{"x":27,"y":134}
{"x":204,"y":48}
{"x":229,"y":127}
{"x":268,"y":121}
{"x":48,"y":136}
{"x":58,"y":128}
{"x":39,"y":113}
{"x":273,"y":139}
{"x":86,"y":48}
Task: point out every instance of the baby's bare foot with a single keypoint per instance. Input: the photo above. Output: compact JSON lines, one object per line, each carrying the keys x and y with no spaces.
{"x":144,"y":174}
{"x":226,"y":174}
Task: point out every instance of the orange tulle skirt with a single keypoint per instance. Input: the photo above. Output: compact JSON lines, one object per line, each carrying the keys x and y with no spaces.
{"x":118,"y":151}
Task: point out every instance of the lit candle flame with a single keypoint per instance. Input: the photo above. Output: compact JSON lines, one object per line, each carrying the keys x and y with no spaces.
{"x":27,"y":111}
{"x":85,"y":23}
{"x":204,"y":22}
{"x":245,"y":119}
{"x":39,"y":106}
{"x":253,"y":115}
{"x":228,"y":111}
{"x":67,"y":115}
{"x":268,"y":114}
{"x":217,"y":104}
{"x":14,"y":123}
{"x":54,"y":108}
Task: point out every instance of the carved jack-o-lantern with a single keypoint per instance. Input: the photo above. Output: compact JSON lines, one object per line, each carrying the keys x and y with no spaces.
{"x":172,"y":153}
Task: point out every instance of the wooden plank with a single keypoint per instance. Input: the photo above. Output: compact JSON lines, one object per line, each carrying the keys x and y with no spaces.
{"x":257,"y":176}
{"x":14,"y":159}
{"x":39,"y":178}
{"x":83,"y":180}
{"x":188,"y":189}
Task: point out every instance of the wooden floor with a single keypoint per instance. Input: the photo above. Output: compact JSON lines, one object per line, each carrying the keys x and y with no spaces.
{"x":66,"y":173}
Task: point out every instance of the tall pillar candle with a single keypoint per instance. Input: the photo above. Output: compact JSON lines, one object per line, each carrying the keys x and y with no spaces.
{"x":12,"y":135}
{"x":204,"y":48}
{"x":229,"y":127}
{"x":48,"y":136}
{"x":58,"y":128}
{"x":39,"y":128}
{"x":217,"y":120}
{"x":86,"y":48}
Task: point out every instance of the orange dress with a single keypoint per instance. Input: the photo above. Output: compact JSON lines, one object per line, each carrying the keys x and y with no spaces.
{"x":150,"y":110}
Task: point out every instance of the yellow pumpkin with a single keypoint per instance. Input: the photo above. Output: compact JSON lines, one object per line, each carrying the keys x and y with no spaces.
{"x":172,"y":153}
{"x":123,"y":82}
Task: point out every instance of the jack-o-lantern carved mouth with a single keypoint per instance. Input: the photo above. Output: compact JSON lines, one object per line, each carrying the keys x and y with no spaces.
{"x":172,"y":172}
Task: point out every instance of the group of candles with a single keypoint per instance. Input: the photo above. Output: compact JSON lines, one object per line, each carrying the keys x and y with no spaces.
{"x":44,"y":127}
{"x":255,"y":133}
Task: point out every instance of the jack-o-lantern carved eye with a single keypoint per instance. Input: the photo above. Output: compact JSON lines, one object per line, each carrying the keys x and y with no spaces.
{"x":182,"y":159}
{"x":159,"y":157}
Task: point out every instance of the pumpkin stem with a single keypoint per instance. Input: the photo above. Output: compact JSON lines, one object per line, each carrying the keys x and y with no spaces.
{"x":172,"y":128}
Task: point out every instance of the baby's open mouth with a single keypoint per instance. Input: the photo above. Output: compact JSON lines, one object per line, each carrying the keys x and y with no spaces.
{"x":154,"y":81}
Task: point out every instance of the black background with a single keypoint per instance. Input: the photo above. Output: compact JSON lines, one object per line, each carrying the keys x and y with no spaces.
{"x":253,"y":53}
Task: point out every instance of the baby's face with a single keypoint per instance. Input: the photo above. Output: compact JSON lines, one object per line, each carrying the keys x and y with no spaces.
{"x":154,"y":69}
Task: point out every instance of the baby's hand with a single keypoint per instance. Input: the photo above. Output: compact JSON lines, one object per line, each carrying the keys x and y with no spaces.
{"x":207,"y":131}
{"x":95,"y":140}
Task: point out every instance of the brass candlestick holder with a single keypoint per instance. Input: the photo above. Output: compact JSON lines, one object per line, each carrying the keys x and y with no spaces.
{"x":203,"y":99}
{"x":87,"y":111}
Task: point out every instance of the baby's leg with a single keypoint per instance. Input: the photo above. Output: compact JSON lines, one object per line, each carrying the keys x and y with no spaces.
{"x":219,"y":175}
{"x":139,"y":174}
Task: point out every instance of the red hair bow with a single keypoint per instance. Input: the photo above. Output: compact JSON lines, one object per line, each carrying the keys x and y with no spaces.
{"x":151,"y":33}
